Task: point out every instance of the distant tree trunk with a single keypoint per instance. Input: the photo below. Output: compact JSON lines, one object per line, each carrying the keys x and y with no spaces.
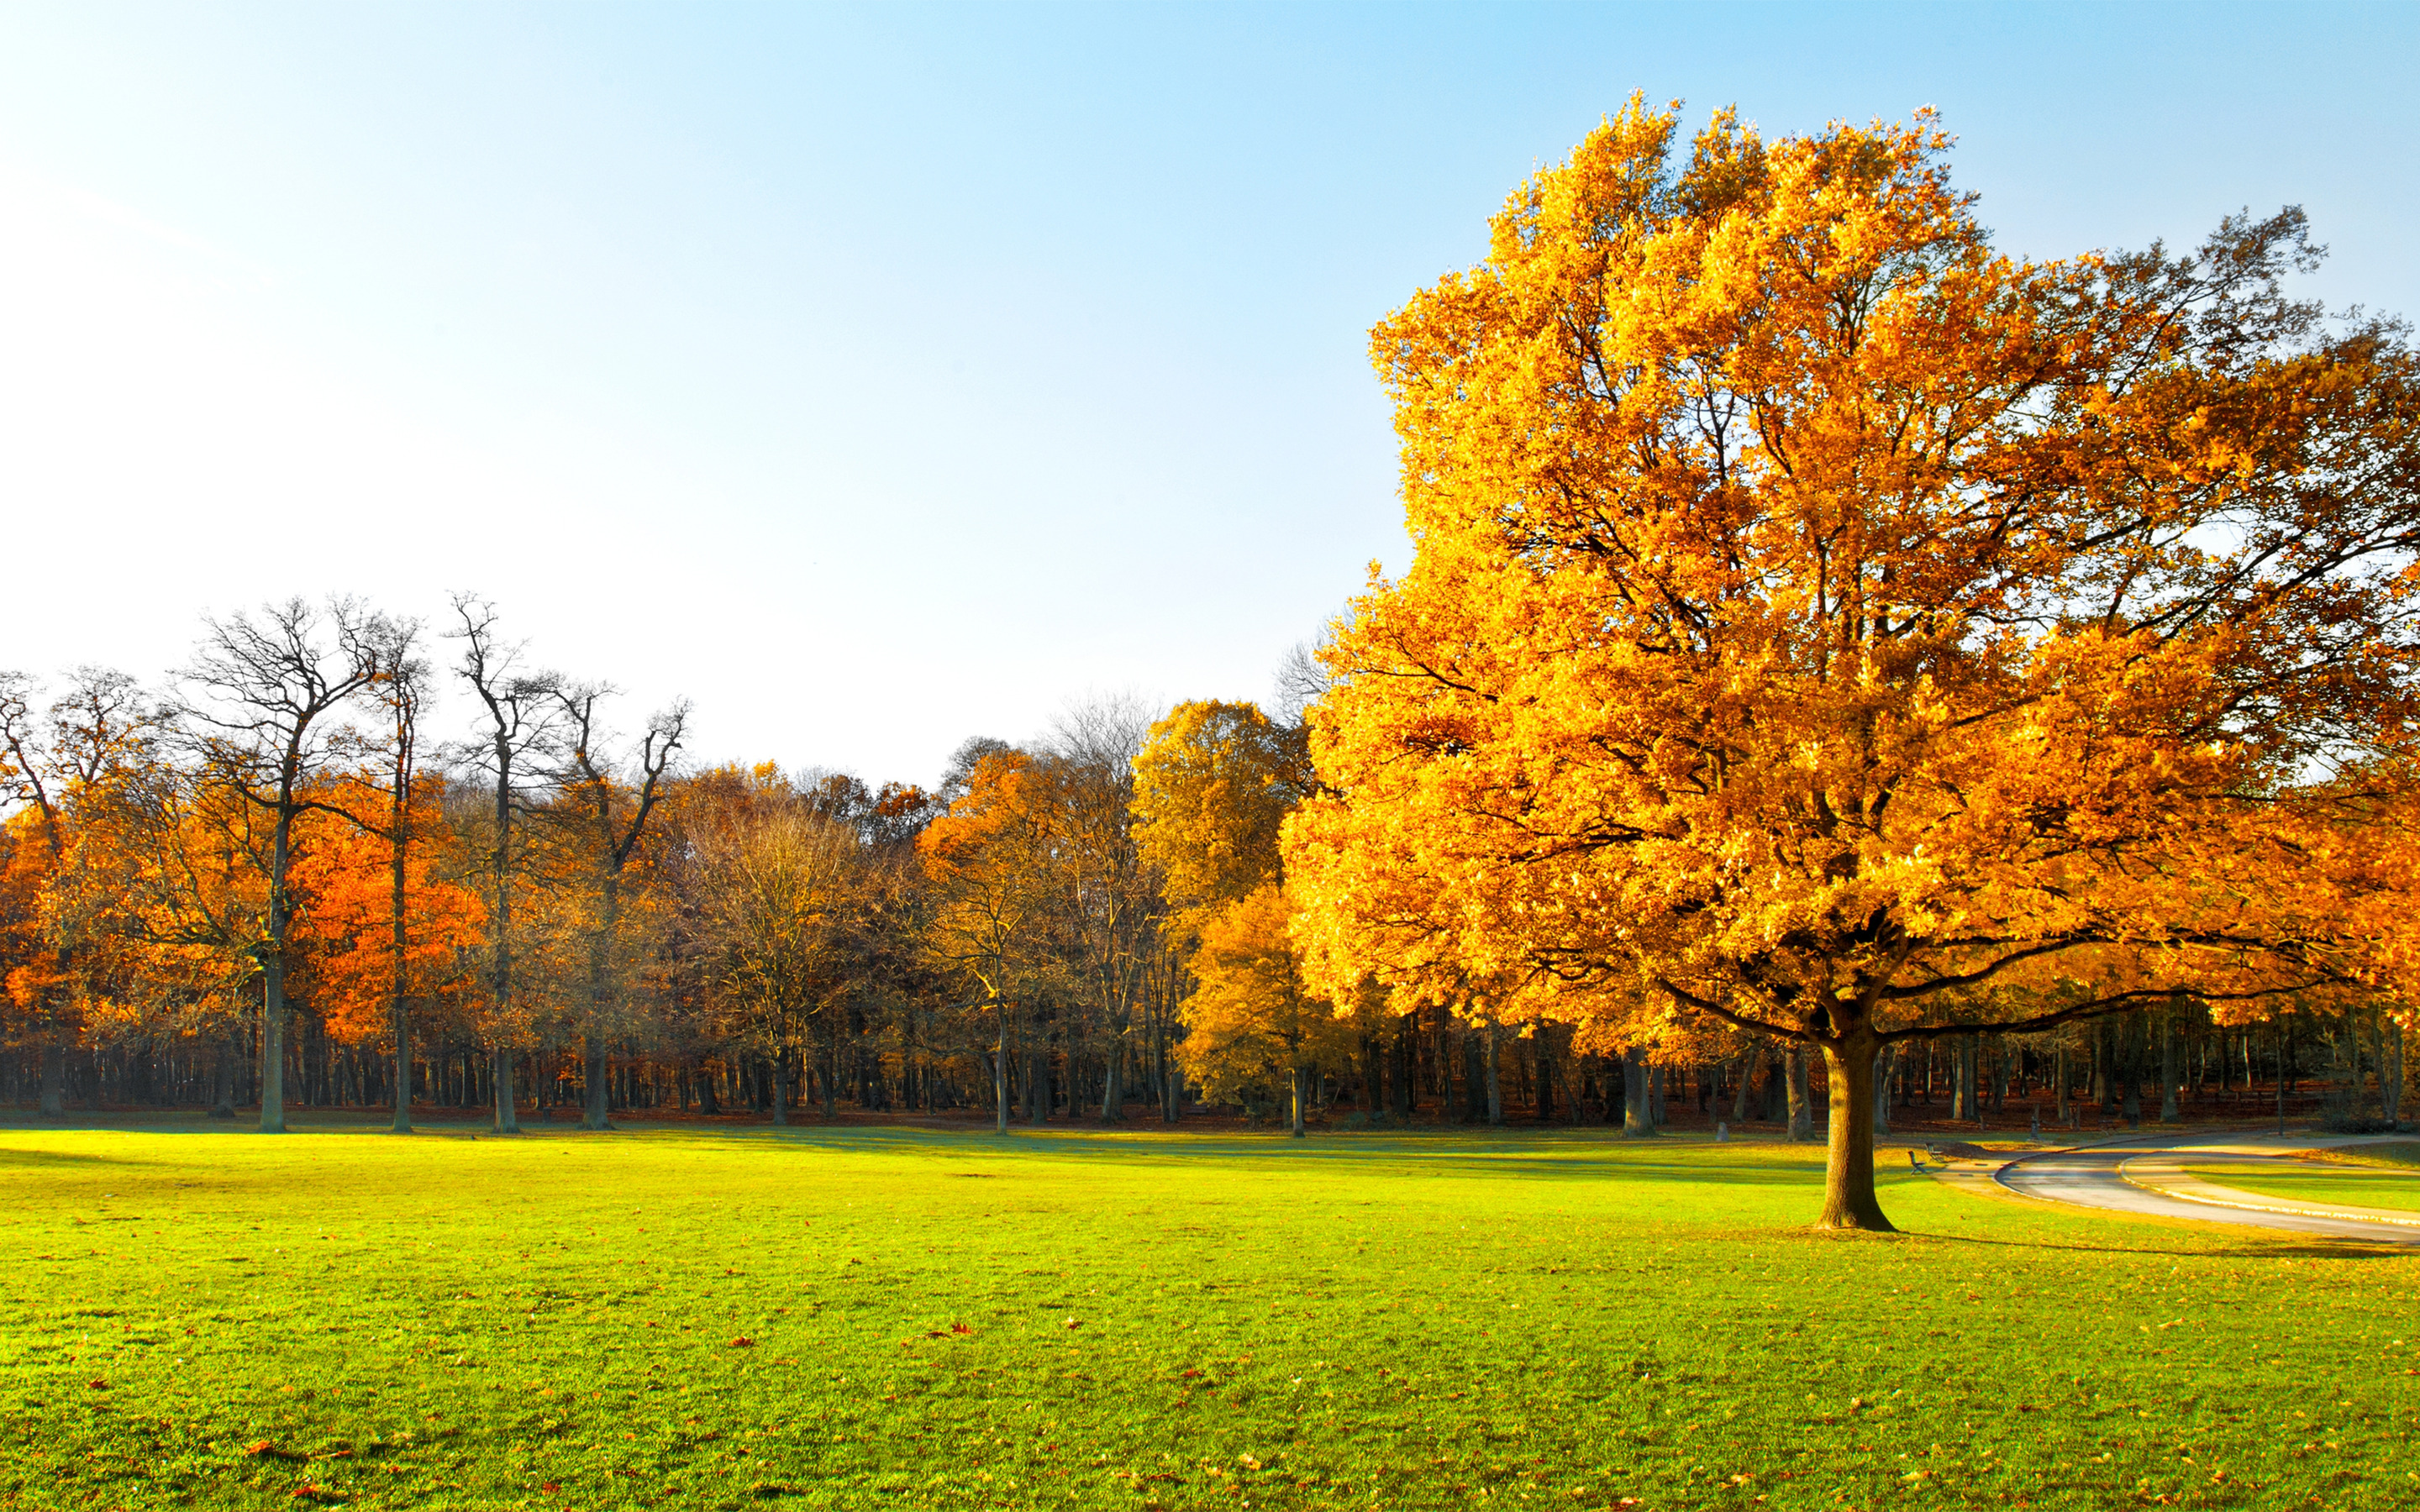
{"x":2130,"y":1070}
{"x":2168,"y":1066}
{"x":1748,"y":1065}
{"x":1474,"y":1077}
{"x":1295,"y":1118}
{"x":1374,"y":1081}
{"x":781,"y":1089}
{"x":222,"y":1077}
{"x":1398,"y":1072}
{"x":1655,"y":1096}
{"x":1636,"y":1120}
{"x":500,"y":1078}
{"x":1801,"y":1115}
{"x":1000,"y":1070}
{"x":1546,"y":1057}
{"x":1113,"y":1083}
{"x":54,"y":1069}
{"x":2390,"y":1070}
{"x":1882,"y":1060}
{"x":1495,"y":1077}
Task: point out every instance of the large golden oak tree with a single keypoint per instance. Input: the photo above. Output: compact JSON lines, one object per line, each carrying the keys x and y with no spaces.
{"x":1822,"y":621}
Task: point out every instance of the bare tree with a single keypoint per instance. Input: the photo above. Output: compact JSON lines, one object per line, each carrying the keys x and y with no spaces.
{"x":615,"y":818}
{"x":521,"y":708}
{"x":401,"y":693}
{"x":260,"y":708}
{"x":1301,"y":680}
{"x":1113,"y":904}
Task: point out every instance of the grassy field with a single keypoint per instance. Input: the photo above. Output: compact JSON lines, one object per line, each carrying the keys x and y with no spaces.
{"x":861,"y":1318}
{"x":2363,"y":1188}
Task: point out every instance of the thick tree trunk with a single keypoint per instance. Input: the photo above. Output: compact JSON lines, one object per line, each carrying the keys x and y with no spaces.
{"x":781,"y":1091}
{"x":1113,"y":1080}
{"x":1882,"y":1060}
{"x":1848,"y":1200}
{"x":1637,"y":1122}
{"x":1655,"y":1096}
{"x":1801,"y":1115}
{"x":500,"y":1079}
{"x":595,"y":1081}
{"x":1748,"y":1070}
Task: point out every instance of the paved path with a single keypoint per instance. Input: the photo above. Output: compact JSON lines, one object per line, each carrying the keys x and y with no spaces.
{"x":2146,"y":1175}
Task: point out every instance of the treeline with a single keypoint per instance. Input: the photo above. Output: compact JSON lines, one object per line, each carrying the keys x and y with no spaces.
{"x":253,"y":886}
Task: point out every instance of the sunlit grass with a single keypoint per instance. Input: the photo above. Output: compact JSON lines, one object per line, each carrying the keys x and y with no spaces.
{"x":2364,"y":1188}
{"x":859,"y":1319}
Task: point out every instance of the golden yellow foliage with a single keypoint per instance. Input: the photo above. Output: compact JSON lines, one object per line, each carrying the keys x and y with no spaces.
{"x":1252,"y":1024}
{"x":1826,"y":623}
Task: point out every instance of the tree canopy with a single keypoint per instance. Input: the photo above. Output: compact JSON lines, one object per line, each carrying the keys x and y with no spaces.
{"x":1826,"y":623}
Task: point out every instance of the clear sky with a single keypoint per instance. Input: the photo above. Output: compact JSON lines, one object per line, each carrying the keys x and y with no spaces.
{"x":881,"y":375}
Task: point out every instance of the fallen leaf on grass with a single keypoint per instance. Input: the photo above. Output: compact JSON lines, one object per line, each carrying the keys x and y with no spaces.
{"x":960,"y":1328}
{"x":743,"y":1343}
{"x":99,"y":1384}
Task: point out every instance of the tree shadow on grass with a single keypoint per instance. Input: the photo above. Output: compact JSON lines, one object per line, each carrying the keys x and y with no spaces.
{"x":60,"y":1157}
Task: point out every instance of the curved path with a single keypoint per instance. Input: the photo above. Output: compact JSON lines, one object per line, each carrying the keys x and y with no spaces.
{"x":2097,"y":1176}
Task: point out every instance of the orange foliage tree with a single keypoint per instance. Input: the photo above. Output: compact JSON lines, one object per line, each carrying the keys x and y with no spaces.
{"x":991,"y":865}
{"x":344,"y":885}
{"x":1826,"y":623}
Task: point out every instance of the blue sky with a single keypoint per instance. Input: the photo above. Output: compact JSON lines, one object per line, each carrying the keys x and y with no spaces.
{"x":881,"y":375}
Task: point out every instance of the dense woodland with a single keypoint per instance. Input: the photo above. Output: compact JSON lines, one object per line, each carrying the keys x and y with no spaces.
{"x":557,"y":922}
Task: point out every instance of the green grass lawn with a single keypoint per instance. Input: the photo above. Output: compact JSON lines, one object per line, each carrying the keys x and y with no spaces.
{"x":2318,"y":1183}
{"x":853,"y":1318}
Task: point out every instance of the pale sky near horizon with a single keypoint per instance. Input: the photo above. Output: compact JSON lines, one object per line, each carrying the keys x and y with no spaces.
{"x":880,"y":376}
